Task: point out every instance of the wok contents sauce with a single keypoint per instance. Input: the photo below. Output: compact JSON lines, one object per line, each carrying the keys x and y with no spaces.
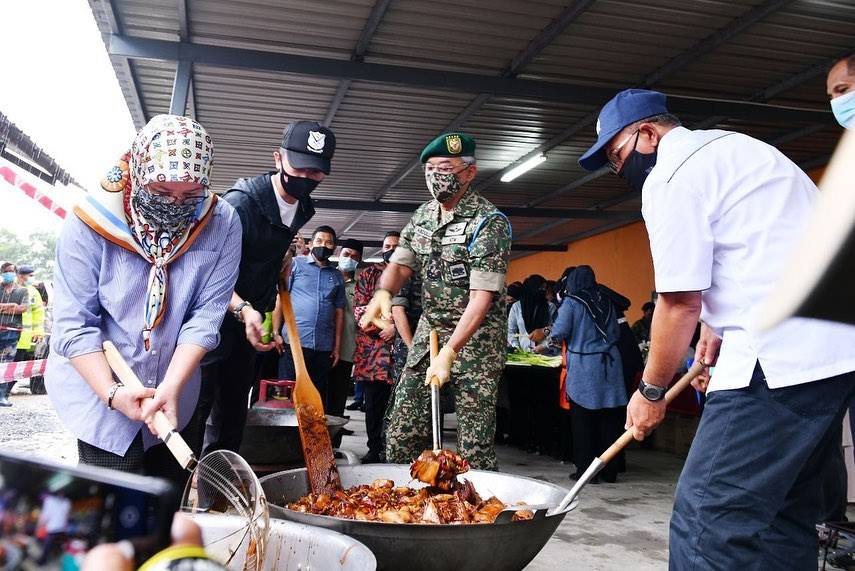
{"x":317,"y":450}
{"x":382,"y":501}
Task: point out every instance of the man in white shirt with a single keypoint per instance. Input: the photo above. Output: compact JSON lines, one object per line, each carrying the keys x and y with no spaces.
{"x":722,"y":211}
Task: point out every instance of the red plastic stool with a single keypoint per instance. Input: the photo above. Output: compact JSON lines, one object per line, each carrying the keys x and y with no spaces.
{"x":275,"y":393}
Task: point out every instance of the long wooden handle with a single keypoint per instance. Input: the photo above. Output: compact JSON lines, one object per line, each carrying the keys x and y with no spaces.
{"x":293,"y":333}
{"x":434,"y":344}
{"x":672,"y":393}
{"x":165,"y":430}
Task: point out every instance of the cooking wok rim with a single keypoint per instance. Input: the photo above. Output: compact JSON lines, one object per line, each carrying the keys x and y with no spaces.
{"x":561,"y":514}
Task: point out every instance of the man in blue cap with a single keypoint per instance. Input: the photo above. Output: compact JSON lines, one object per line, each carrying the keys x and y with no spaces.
{"x":722,"y":211}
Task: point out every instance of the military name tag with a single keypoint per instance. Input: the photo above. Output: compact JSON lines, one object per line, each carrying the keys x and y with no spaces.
{"x":455,"y":229}
{"x":454,"y":240}
{"x":457,"y":271}
{"x":424,"y":232}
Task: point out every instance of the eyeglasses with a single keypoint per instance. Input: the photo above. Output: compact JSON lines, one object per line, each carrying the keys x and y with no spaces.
{"x":185,"y":201}
{"x":615,"y":162}
{"x":444,"y":168}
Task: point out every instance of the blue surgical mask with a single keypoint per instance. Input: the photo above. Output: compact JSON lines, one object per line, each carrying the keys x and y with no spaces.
{"x":346,"y":264}
{"x":8,"y":277}
{"x":843,"y":108}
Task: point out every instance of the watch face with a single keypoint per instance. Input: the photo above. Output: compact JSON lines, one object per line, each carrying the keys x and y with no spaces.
{"x":651,"y":392}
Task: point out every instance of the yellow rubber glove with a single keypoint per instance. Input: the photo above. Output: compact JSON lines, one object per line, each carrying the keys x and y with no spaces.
{"x":440,"y":366}
{"x":380,"y":307}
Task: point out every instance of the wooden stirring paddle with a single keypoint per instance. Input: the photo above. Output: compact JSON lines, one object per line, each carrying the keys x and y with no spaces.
{"x":311,"y":421}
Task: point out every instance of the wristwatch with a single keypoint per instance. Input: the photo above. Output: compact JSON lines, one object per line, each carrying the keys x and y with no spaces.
{"x":238,"y":308}
{"x":652,"y":393}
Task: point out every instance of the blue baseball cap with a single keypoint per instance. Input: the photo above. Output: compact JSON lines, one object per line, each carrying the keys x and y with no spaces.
{"x":625,"y":108}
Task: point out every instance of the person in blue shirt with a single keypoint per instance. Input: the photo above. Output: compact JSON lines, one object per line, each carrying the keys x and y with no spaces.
{"x":318,"y":297}
{"x":587,"y":321}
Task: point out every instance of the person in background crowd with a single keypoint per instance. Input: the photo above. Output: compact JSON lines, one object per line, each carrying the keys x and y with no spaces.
{"x":550,"y":292}
{"x":32,"y":320}
{"x":302,"y":247}
{"x":272,"y":208}
{"x":372,"y":361}
{"x":749,"y":493}
{"x":340,"y":376}
{"x":641,"y":328}
{"x":149,"y":263}
{"x":587,"y":323}
{"x":531,"y":316}
{"x":840,"y":84}
{"x":318,"y":298}
{"x":14,"y":301}
{"x":459,"y":243}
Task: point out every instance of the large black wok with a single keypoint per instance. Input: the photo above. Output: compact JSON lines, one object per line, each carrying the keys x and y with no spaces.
{"x":416,"y":547}
{"x":271,"y":437}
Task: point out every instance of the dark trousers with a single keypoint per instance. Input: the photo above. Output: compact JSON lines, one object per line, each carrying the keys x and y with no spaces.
{"x":318,"y":364}
{"x":749,"y":495}
{"x":594,"y":430}
{"x":376,"y":397}
{"x":225,"y":393}
{"x":338,"y":385}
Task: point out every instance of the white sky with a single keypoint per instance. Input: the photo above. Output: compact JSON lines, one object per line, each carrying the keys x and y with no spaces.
{"x":57,"y":85}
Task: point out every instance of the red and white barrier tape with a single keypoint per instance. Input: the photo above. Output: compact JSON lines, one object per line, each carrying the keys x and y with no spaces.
{"x":17,"y":370}
{"x":8,"y":173}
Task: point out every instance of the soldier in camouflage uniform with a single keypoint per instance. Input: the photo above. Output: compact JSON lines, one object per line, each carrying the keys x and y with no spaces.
{"x":459,"y":244}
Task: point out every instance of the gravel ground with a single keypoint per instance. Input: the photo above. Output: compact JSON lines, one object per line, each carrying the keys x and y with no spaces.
{"x":30,"y":426}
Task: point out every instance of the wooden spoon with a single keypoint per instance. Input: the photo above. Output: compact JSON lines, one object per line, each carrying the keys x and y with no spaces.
{"x":311,"y":421}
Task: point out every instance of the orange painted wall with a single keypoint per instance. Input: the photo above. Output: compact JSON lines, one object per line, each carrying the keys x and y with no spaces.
{"x":620,"y":258}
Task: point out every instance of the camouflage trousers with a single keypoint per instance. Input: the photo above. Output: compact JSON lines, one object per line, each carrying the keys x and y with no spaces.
{"x":474,"y":389}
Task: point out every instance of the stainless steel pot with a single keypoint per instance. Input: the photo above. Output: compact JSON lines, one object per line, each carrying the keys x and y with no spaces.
{"x":290,"y":546}
{"x":271,"y":437}
{"x":417,"y":547}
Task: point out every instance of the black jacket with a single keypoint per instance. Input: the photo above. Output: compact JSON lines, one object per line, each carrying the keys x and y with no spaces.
{"x":264,"y":244}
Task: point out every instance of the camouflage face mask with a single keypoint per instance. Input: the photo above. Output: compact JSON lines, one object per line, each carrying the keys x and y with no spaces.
{"x":442,"y":186}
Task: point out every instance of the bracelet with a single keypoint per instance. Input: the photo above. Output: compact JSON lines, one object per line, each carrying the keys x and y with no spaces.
{"x":238,"y":308}
{"x":113,"y":389}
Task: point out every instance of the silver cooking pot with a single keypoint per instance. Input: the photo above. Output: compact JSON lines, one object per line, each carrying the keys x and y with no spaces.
{"x":417,"y":547}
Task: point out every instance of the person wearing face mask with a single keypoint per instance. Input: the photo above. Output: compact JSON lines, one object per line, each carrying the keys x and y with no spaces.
{"x":14,"y":302}
{"x":148,"y":262}
{"x":273,"y":207}
{"x":840,"y":84}
{"x":372,"y":360}
{"x":318,"y":297}
{"x":32,"y":320}
{"x":340,"y":377}
{"x":723,"y":210}
{"x":459,"y":243}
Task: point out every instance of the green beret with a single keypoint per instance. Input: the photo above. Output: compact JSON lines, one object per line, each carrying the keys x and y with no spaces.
{"x":449,"y":145}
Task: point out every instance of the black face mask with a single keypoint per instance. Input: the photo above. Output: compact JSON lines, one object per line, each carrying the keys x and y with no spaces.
{"x":387,"y":255}
{"x":297,"y":186}
{"x":322,"y":253}
{"x":636,"y":167}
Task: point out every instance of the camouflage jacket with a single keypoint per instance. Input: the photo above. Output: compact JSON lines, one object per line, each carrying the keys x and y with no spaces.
{"x":454,"y":252}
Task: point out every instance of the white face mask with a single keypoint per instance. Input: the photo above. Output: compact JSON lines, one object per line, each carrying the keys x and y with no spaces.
{"x":843,"y":108}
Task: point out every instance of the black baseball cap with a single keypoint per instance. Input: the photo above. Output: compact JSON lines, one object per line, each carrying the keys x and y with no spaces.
{"x":25,"y":270}
{"x":309,"y":145}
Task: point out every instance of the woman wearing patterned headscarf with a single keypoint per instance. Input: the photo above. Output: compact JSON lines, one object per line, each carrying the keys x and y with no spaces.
{"x":148,"y":262}
{"x":587,"y":323}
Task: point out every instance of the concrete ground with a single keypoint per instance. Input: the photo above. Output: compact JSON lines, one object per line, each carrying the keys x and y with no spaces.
{"x":615,"y":526}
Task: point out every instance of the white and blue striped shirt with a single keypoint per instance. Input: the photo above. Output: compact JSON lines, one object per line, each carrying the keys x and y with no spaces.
{"x":99,"y":291}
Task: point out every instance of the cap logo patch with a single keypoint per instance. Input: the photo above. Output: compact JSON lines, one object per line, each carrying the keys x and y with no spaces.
{"x":316,"y":141}
{"x":454,"y":144}
{"x":598,"y":125}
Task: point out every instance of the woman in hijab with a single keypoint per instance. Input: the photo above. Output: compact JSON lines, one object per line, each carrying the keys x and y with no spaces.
{"x":148,"y":262}
{"x":587,"y":322}
{"x":531,"y":316}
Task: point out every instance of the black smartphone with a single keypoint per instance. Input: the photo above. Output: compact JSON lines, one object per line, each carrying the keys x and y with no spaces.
{"x":51,"y":515}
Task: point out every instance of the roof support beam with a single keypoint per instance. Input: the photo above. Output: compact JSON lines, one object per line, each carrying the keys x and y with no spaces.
{"x":677,"y":63}
{"x":523,"y":212}
{"x":180,"y":88}
{"x":138,"y":113}
{"x":144,"y":48}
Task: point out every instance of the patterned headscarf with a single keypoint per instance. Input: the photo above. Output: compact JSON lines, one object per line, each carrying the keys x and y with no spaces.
{"x":170,"y":148}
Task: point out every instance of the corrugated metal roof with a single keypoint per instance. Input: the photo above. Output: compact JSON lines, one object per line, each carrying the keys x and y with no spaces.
{"x":735,"y":50}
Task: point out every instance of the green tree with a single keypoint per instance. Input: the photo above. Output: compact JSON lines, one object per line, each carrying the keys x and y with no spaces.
{"x":36,"y":250}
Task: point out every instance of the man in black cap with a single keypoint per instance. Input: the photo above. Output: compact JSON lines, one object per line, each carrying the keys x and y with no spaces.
{"x":272,"y":208}
{"x":722,"y":211}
